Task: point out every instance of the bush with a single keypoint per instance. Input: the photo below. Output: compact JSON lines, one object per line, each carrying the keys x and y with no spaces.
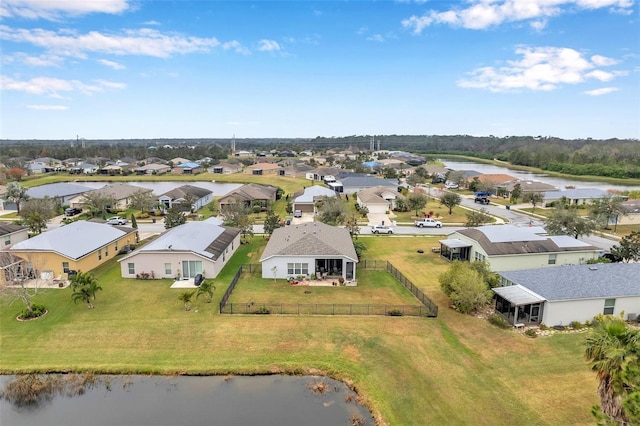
{"x":577,"y":325}
{"x":37,"y":311}
{"x":498,"y":320}
{"x":395,"y":313}
{"x":531,"y":333}
{"x":263,"y":310}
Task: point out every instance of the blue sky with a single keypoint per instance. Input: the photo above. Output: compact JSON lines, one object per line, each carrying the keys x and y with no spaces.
{"x":119,"y":69}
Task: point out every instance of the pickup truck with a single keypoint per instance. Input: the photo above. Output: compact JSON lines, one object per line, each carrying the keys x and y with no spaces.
{"x":428,"y":223}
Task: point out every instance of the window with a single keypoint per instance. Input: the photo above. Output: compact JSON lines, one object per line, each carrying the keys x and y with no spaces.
{"x":65,"y":267}
{"x":191,"y":268}
{"x":552,"y":259}
{"x":609,"y":306}
{"x":297,"y":268}
{"x":479,"y":257}
{"x":132,"y":268}
{"x":224,"y":256}
{"x":99,"y":254}
{"x":7,"y":240}
{"x":106,"y":251}
{"x":115,"y":248}
{"x":231,"y":245}
{"x":167,"y":269}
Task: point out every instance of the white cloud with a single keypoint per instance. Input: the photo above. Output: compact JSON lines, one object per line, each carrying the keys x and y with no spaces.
{"x":236,"y":46}
{"x":111,"y":84}
{"x":376,"y":37}
{"x":48,"y":107}
{"x":111,"y":64}
{"x":151,"y":23}
{"x":268,"y":46}
{"x":602,"y":91}
{"x":540,"y":69}
{"x":55,"y":9}
{"x":483,"y":14}
{"x":34,"y":61}
{"x":53,"y":87}
{"x":603,"y":61}
{"x":144,"y":42}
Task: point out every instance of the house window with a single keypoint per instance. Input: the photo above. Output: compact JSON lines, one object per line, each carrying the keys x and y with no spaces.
{"x":65,"y":267}
{"x":552,"y":259}
{"x":609,"y":306}
{"x":167,"y":269}
{"x":480,"y":257}
{"x":297,"y":268}
{"x":231,"y":245}
{"x":99,"y":254}
{"x":224,"y":256}
{"x":7,"y":240}
{"x":115,"y":247}
{"x":191,"y":268}
{"x":132,"y":268}
{"x":106,"y":251}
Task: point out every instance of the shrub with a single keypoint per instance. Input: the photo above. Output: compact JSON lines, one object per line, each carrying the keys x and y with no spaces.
{"x":576,"y":325}
{"x":498,"y":320}
{"x":395,"y":313}
{"x":37,"y":311}
{"x":531,"y":333}
{"x":262,"y":310}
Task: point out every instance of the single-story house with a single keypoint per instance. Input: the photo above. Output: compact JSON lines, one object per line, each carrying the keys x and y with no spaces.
{"x":306,"y":199}
{"x":356,"y":183}
{"x":79,"y":246}
{"x":264,"y":169}
{"x":225,"y":168}
{"x":250,"y":194}
{"x":243,"y":154}
{"x":183,"y":252}
{"x":558,"y":296}
{"x":178,"y":160}
{"x":310,"y":248}
{"x":61,"y":190}
{"x":188,"y":168}
{"x":379,"y":199}
{"x":526,"y":186}
{"x":11,"y":234}
{"x":496,"y":179}
{"x":195,"y":196}
{"x":152,"y":169}
{"x":576,"y":196}
{"x":323,"y":174}
{"x":84,"y":168}
{"x":632,"y":210}
{"x":510,"y":247}
{"x":121,"y":193}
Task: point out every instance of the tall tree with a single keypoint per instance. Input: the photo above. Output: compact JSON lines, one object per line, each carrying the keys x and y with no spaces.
{"x":271,"y":222}
{"x":416,"y":179}
{"x":628,"y":249}
{"x":142,"y":200}
{"x":465,"y":286}
{"x":534,"y":198}
{"x":352,"y":226}
{"x":16,"y":194}
{"x":613,"y":352}
{"x":477,"y":217}
{"x":416,"y":202}
{"x":174,"y":217}
{"x":332,"y":211}
{"x":37,"y":212}
{"x":15,"y":271}
{"x":567,"y":221}
{"x":450,"y":200}
{"x":516,"y":193}
{"x":234,"y":212}
{"x":98,"y":203}
{"x":606,"y":209}
{"x":206,"y":288}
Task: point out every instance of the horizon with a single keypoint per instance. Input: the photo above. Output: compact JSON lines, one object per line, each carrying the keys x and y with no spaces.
{"x":128,"y":70}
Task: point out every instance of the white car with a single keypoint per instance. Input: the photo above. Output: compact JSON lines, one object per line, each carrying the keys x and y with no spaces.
{"x":428,"y":223}
{"x":381,"y":229}
{"x":116,"y":220}
{"x":451,"y":185}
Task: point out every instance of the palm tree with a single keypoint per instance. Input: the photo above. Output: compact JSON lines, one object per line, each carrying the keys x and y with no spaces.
{"x":185,"y":298}
{"x":613,"y":351}
{"x":207,"y":288}
{"x":84,"y":284}
{"x":82,"y":293}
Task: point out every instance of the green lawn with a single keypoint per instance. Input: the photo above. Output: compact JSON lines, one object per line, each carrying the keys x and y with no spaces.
{"x":454,"y":370}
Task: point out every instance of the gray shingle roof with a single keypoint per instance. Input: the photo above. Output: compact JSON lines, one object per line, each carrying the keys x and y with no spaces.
{"x":309,"y":194}
{"x":184,"y":191}
{"x":608,"y":280}
{"x":10,"y":228}
{"x":119,"y":191}
{"x":74,"y":240}
{"x":61,"y":189}
{"x":310,"y":239}
{"x":252,"y":191}
{"x":205,"y":238}
{"x":368,"y":181}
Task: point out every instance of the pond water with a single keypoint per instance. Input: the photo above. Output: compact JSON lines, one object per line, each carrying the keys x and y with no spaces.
{"x":190,"y":400}
{"x":561,"y":183}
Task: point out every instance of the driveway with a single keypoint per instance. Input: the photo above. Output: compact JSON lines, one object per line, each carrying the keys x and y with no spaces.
{"x":379,"y":219}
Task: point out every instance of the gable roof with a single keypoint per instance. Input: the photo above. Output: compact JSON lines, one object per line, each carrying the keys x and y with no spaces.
{"x":60,"y":189}
{"x":364,"y":181}
{"x":309,"y":195}
{"x":205,"y":238}
{"x":74,"y":240}
{"x":119,"y":191}
{"x":10,"y":228}
{"x":264,"y":166}
{"x":184,"y":191}
{"x":570,"y":282}
{"x":310,"y":239}
{"x":577,"y":193}
{"x":252,"y":191}
{"x":498,"y":240}
{"x":496,"y":178}
{"x":376,"y":195}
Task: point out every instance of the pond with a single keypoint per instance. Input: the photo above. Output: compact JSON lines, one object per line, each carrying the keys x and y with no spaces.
{"x":560,"y":182}
{"x":192,"y":400}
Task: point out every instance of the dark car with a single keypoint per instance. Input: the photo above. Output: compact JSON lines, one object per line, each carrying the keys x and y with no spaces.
{"x":72,"y":211}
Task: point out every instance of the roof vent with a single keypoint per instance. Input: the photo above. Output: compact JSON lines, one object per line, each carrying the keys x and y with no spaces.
{"x":593,"y":268}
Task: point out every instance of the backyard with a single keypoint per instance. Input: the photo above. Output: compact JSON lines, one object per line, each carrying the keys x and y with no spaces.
{"x":454,"y":369}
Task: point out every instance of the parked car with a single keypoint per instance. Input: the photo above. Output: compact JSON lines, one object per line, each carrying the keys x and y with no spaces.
{"x":297,"y":213}
{"x":451,"y":185}
{"x":381,"y":229}
{"x":428,"y":223}
{"x":116,"y":220}
{"x":72,"y":211}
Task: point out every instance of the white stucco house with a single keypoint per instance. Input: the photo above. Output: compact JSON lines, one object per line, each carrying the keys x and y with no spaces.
{"x":510,"y":247}
{"x":558,"y":296}
{"x":184,"y":252}
{"x":11,"y":234}
{"x":306,"y":199}
{"x":120,"y":192}
{"x":310,"y":248}
{"x":379,"y":199}
{"x":195,"y":196}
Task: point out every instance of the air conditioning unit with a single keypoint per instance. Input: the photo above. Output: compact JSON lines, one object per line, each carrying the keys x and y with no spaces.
{"x":632,"y":317}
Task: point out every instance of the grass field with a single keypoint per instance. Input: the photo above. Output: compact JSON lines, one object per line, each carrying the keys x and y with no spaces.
{"x":452,"y":370}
